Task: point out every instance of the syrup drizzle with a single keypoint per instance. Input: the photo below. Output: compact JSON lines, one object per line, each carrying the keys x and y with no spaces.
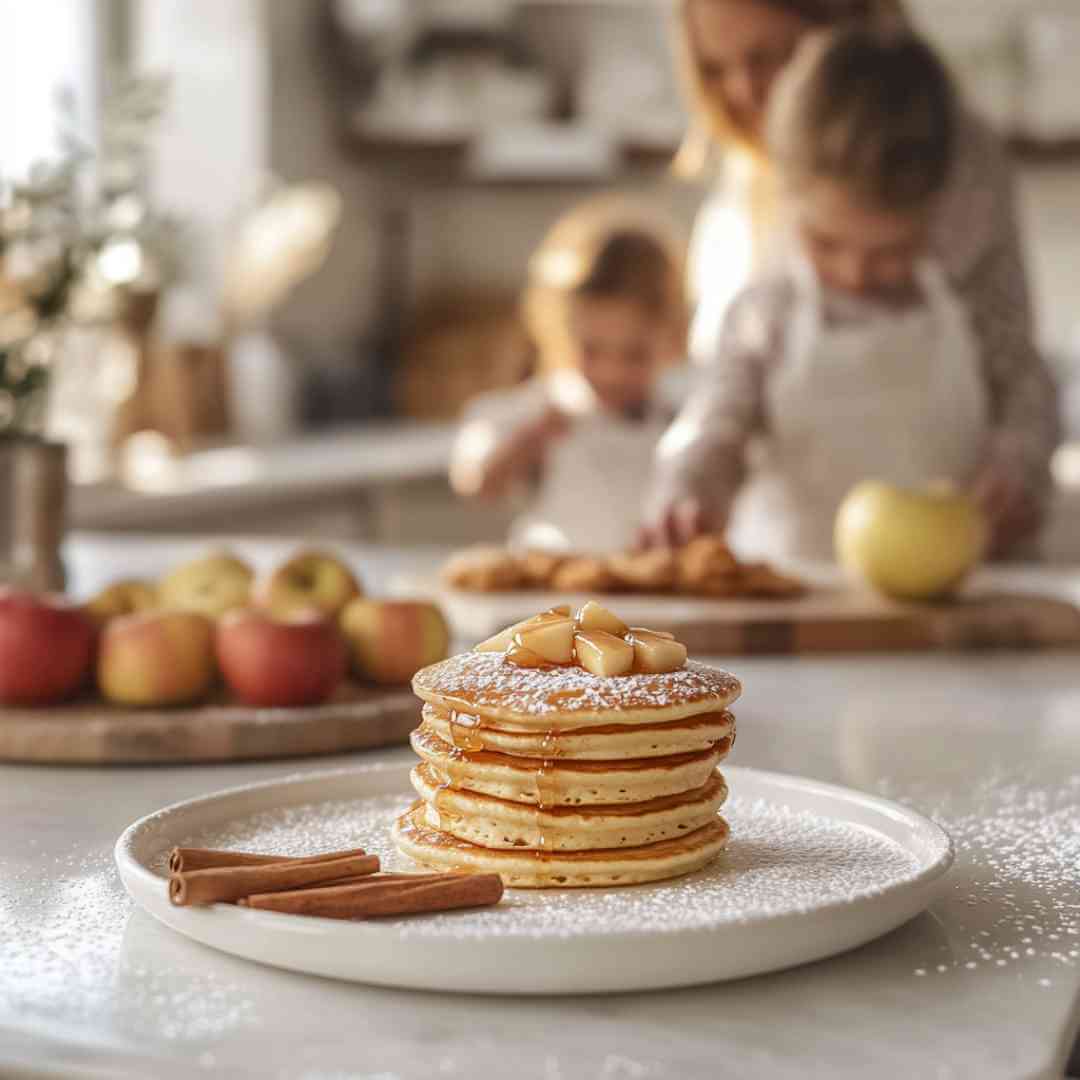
{"x":463,"y":730}
{"x":438,"y":803}
{"x":546,"y":784}
{"x":447,"y":783}
{"x":464,"y":736}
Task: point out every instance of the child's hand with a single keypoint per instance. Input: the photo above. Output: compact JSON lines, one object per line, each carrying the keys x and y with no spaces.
{"x":523,"y":454}
{"x":553,"y":424}
{"x":1011,"y":511}
{"x":676,"y":525}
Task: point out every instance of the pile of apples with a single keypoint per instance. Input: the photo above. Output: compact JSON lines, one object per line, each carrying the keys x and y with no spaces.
{"x":287,"y":639}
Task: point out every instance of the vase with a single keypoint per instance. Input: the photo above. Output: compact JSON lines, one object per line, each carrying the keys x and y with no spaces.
{"x":33,"y":498}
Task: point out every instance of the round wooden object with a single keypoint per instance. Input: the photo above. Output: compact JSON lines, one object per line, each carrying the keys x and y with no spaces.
{"x":90,"y":732}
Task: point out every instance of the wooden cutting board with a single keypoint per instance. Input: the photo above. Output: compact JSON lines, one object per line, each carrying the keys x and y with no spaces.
{"x":93,"y":733}
{"x":824,"y":620}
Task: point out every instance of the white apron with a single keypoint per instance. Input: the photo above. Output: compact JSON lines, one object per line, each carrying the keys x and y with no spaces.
{"x":898,"y":398}
{"x":589,"y":496}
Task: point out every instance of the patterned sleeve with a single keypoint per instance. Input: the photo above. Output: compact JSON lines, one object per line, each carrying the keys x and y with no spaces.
{"x":978,"y":238}
{"x":702,"y":454}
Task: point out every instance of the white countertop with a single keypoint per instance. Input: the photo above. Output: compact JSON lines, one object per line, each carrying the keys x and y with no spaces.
{"x":986,"y":984}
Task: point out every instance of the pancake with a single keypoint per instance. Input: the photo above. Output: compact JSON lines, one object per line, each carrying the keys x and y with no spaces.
{"x":564,"y":782}
{"x":525,"y":869}
{"x":542,"y":699}
{"x":585,"y":744}
{"x":544,"y":764}
{"x":498,"y":823}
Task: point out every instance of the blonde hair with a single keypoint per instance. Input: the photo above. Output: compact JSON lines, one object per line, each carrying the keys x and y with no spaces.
{"x":711,"y":121}
{"x":871,"y":107}
{"x":712,"y":126}
{"x":603,"y":249}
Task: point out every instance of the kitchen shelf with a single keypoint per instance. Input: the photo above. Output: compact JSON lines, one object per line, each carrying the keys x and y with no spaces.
{"x":1044,"y":151}
{"x":443,"y":160}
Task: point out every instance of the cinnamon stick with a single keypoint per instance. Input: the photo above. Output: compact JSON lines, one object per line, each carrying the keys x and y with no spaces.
{"x":183,"y":859}
{"x":330,"y":887}
{"x":229,"y":883}
{"x":406,"y":894}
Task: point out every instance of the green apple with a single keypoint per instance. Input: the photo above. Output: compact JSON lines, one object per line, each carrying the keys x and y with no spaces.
{"x":310,"y":580}
{"x":123,"y":597}
{"x":913,"y":545}
{"x":216,"y":583}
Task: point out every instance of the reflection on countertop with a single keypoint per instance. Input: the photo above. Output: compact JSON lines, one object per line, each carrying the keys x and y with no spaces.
{"x":382,"y":482}
{"x":379,"y":482}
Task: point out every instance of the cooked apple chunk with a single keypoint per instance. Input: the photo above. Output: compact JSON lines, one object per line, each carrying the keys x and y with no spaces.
{"x":524,"y":658}
{"x":604,"y":654}
{"x":501,"y":641}
{"x":594,"y":616}
{"x":551,"y":639}
{"x":656,"y":655}
{"x":560,"y":611}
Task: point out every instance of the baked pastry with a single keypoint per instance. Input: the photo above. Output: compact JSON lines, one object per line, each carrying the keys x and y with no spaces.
{"x":483,"y":569}
{"x":583,"y":573}
{"x":561,"y":773}
{"x":656,"y":570}
{"x":538,"y":567}
{"x":705,"y":565}
{"x":761,"y":580}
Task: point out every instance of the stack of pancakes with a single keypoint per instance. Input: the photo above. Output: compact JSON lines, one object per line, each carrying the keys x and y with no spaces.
{"x":556,"y":777}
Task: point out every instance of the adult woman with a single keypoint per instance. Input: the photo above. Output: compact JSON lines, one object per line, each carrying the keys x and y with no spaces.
{"x":732,"y":51}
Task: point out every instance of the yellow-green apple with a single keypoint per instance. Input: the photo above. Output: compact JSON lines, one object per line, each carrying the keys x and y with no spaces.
{"x":123,"y":597}
{"x":156,"y":658}
{"x":296,"y":660}
{"x":211,"y":585}
{"x":310,"y":579}
{"x":914,"y":545}
{"x":46,"y":648}
{"x":391,"y":640}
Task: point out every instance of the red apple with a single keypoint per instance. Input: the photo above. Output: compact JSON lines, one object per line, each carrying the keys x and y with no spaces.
{"x":46,"y":646}
{"x":391,"y":640}
{"x":298,"y":660}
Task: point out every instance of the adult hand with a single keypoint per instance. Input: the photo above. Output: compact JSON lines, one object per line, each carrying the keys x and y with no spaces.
{"x":676,"y":525}
{"x":1011,"y":512}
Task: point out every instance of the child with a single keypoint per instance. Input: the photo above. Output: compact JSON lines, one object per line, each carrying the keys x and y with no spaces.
{"x":855,"y":360}
{"x":605,"y":306}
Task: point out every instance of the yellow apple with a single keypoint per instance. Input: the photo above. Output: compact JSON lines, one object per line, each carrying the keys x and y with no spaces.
{"x":156,"y":658}
{"x":391,"y":640}
{"x":309,"y":580}
{"x":913,"y":545}
{"x":211,"y":585}
{"x":121,"y":598}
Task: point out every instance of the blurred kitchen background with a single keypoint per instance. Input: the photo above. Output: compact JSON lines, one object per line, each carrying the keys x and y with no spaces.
{"x":300,"y":227}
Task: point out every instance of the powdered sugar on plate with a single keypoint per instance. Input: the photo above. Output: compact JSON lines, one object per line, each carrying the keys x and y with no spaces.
{"x":779,"y":862}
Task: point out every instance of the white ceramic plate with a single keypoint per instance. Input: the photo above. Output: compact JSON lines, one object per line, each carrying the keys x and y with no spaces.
{"x":811,"y":870}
